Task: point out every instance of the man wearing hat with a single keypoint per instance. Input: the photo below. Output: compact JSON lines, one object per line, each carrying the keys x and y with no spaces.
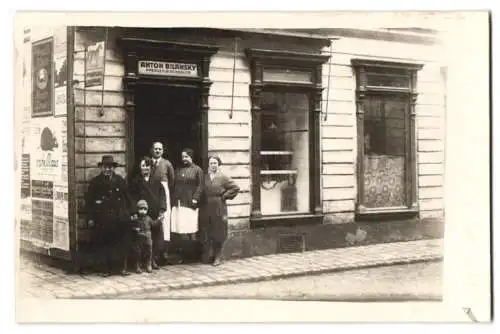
{"x":107,"y":206}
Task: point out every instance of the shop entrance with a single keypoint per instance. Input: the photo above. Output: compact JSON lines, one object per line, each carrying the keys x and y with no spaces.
{"x":172,"y":116}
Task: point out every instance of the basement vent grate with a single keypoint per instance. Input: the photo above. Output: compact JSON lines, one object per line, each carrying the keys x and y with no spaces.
{"x":291,"y":244}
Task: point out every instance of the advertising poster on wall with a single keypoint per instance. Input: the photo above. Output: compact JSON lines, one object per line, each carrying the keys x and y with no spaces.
{"x":61,"y":223}
{"x":60,"y":72}
{"x":64,"y":151}
{"x":46,"y":152}
{"x":42,"y":210}
{"x":60,"y":78}
{"x":43,"y":148}
{"x":25,"y":176}
{"x":42,"y":75}
{"x":25,"y":218}
{"x":94,"y":74}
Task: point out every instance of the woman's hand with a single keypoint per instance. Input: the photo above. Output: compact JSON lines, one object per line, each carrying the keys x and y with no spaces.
{"x":133,"y":217}
{"x":161,"y":216}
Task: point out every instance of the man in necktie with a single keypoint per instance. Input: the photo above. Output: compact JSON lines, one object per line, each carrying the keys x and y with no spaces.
{"x":162,"y":171}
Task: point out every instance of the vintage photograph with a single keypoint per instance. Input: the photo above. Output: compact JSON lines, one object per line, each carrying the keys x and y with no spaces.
{"x":164,"y":163}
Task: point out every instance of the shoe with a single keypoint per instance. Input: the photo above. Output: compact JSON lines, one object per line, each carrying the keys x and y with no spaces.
{"x":149,"y":269}
{"x":216,"y":262}
{"x":124,"y":272}
{"x":138,"y":270}
{"x":155,"y":266}
{"x":105,"y":274}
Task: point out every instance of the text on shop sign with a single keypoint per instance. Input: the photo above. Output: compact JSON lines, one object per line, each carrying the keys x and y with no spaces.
{"x":166,"y":68}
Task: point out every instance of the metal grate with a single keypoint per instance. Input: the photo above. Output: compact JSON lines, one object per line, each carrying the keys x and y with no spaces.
{"x":291,"y":243}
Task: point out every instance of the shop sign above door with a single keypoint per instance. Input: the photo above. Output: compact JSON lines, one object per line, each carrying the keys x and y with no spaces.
{"x":148,"y":67}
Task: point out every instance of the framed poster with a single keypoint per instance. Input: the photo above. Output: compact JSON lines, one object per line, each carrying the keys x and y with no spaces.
{"x":42,"y":74}
{"x":94,"y":73}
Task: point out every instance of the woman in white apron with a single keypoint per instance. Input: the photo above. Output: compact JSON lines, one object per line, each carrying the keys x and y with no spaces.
{"x":185,"y":201}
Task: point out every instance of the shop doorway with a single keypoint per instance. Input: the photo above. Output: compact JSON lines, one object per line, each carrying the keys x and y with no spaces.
{"x":170,"y":115}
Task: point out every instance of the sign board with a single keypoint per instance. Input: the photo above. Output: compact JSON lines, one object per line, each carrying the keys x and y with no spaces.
{"x":42,"y":77}
{"x":149,"y":67}
{"x":94,"y":73}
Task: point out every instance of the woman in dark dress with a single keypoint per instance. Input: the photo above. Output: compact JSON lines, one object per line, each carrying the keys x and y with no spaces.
{"x":185,"y":201}
{"x":213,"y":212}
{"x":144,"y":186}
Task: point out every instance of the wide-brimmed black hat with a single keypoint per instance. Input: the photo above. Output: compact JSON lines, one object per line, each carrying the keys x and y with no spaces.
{"x":107,"y":160}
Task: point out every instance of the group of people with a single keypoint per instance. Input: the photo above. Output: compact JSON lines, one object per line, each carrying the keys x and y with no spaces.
{"x":133,"y":222}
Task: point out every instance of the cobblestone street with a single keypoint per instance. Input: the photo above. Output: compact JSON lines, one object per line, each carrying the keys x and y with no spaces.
{"x":417,"y":281}
{"x":37,"y":280}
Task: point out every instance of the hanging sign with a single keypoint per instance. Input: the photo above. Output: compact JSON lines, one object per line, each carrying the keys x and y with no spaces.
{"x":94,"y":74}
{"x":149,"y":67}
{"x":42,"y":76}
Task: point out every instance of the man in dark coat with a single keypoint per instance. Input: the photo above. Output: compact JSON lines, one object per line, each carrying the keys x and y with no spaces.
{"x":108,"y":204}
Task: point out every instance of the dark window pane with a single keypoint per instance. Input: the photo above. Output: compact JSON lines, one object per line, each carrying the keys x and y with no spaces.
{"x":286,"y":75}
{"x":387,"y":80}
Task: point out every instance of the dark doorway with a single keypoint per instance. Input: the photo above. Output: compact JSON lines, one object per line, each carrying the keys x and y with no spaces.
{"x":170,"y":115}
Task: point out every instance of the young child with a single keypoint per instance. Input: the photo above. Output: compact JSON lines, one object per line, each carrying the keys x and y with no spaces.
{"x":142,"y":244}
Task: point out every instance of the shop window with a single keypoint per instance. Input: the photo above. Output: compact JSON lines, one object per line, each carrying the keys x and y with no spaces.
{"x":386,"y":95}
{"x":284,"y":153}
{"x":286,"y":105}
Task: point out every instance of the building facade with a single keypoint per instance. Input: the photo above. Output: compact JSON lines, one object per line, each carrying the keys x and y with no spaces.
{"x":335,"y":137}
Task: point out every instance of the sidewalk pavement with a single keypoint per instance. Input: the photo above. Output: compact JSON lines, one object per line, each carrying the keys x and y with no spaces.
{"x":41,"y":281}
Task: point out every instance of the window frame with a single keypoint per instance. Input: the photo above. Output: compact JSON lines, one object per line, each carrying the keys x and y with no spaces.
{"x":410,"y":94}
{"x":260,"y":60}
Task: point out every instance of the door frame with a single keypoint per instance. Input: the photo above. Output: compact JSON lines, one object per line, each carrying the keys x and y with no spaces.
{"x":137,"y":49}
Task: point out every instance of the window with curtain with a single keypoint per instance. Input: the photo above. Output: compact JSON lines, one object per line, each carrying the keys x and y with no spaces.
{"x":386,"y":93}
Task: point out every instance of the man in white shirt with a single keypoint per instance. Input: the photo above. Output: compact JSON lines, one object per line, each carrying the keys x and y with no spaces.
{"x":163,"y":171}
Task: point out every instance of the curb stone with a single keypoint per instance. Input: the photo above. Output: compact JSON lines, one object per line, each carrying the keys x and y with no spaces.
{"x":311,"y":272}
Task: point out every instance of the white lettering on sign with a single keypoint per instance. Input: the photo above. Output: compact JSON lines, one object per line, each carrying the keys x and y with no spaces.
{"x":164,"y":68}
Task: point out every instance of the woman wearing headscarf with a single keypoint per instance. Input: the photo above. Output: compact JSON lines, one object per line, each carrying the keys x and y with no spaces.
{"x":144,"y":187}
{"x":217,"y":190}
{"x":186,"y":200}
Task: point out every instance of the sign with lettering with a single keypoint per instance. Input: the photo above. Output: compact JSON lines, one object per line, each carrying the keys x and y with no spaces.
{"x":94,"y":72}
{"x":42,"y":76}
{"x":46,"y":150}
{"x":149,"y":67}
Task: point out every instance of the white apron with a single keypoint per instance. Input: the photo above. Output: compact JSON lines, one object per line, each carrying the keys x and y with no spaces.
{"x":167,"y":216}
{"x":184,"y":220}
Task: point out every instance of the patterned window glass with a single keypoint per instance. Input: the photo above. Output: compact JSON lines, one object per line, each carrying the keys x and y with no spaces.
{"x":384,"y":148}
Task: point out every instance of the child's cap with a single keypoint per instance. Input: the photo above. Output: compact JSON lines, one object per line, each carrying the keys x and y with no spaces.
{"x":142,"y":204}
